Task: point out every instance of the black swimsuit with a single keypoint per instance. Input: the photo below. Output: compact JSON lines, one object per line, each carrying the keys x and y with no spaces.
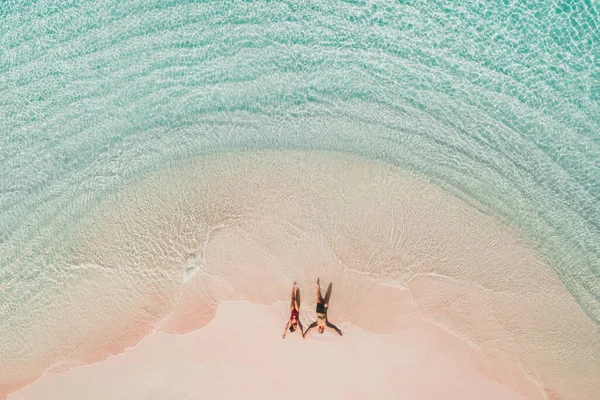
{"x":321,"y":309}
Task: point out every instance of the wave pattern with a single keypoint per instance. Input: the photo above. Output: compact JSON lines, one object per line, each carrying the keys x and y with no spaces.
{"x":498,"y":103}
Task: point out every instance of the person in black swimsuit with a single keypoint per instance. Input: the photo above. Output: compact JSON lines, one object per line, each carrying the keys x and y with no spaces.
{"x":322,"y":304}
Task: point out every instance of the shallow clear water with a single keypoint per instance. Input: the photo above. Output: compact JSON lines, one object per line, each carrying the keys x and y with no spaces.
{"x":496,"y":102}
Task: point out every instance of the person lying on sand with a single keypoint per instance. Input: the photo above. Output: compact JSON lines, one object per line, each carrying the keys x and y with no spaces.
{"x":322,"y":304}
{"x":294,"y":320}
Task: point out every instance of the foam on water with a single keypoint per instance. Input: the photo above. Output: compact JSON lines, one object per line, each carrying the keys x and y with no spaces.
{"x":498,"y":104}
{"x":250,"y":222}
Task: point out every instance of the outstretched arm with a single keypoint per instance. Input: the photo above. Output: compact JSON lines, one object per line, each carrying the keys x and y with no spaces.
{"x":285,"y":330}
{"x":301,"y":328}
{"x":309,"y":328}
{"x":335,"y":328}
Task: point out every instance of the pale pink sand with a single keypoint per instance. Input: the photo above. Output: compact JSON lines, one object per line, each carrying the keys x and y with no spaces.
{"x":241,"y":355}
{"x":161,"y":255}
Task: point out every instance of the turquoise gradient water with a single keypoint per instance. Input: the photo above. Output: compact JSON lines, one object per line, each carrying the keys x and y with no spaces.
{"x":498,"y":102}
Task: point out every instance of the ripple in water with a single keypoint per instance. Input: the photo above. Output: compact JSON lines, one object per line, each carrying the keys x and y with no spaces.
{"x":103,"y":105}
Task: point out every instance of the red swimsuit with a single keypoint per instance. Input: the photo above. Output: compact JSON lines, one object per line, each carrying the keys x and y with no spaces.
{"x":294,"y":315}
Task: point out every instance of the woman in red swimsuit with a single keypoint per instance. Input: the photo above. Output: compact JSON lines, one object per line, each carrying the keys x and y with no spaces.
{"x":294,"y":321}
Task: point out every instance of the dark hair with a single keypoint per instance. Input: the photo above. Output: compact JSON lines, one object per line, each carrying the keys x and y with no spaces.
{"x":292,"y":328}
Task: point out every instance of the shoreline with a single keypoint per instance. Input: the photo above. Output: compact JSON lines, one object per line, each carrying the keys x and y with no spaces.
{"x":221,"y":227}
{"x":422,"y":334}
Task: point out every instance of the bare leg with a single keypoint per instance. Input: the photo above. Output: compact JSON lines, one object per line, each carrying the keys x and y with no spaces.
{"x":328,"y":295}
{"x":293,"y":299}
{"x":319,"y":297}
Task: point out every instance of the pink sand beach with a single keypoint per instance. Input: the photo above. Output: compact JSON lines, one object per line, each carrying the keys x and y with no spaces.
{"x":241,"y":354}
{"x":183,"y":293}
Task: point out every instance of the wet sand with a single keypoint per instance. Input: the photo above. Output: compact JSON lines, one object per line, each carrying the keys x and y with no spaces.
{"x":434,"y":286}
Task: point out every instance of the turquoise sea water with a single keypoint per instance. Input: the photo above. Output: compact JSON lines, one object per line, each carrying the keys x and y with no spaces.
{"x":498,"y":102}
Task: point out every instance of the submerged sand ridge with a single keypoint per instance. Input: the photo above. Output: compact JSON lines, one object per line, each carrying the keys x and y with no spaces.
{"x":399,"y":251}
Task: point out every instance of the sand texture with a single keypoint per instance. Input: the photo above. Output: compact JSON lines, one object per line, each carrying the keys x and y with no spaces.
{"x":438,"y":299}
